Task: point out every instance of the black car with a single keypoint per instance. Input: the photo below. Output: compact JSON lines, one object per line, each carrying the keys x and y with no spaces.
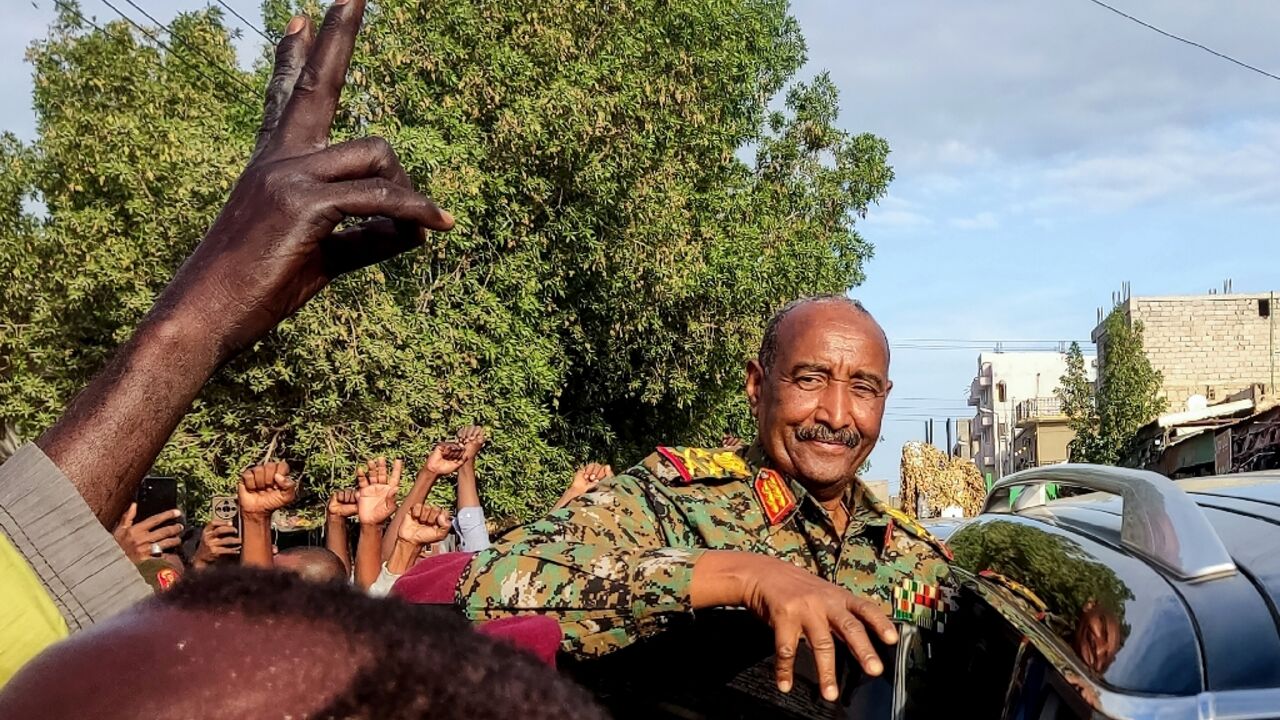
{"x":1145,"y":598}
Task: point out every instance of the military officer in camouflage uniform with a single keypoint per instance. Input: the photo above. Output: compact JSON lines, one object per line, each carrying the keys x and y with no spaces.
{"x":782,"y":528}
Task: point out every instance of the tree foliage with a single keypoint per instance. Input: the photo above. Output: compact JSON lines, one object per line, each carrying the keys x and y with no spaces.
{"x":629,"y":209}
{"x":1127,"y":395}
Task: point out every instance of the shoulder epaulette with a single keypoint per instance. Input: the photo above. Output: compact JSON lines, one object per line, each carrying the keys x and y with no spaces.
{"x":913,"y":527}
{"x":683,"y":466}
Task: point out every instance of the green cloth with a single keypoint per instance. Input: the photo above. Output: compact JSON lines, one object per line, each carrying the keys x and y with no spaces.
{"x":29,"y":621}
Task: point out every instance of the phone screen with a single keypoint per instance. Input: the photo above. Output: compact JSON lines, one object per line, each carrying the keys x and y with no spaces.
{"x":157,"y":495}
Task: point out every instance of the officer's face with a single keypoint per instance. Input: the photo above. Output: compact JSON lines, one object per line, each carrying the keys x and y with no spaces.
{"x":820,"y":406}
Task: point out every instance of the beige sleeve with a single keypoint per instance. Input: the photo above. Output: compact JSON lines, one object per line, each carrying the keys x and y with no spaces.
{"x":77,"y":561}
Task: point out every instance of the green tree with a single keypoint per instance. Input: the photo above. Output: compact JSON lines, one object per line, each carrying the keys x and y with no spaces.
{"x":629,"y":212}
{"x":1127,"y":394}
{"x":1076,"y":393}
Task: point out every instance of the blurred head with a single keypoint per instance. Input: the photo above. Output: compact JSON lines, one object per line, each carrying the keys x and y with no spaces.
{"x":316,"y":564}
{"x":234,"y":642}
{"x":817,"y":389}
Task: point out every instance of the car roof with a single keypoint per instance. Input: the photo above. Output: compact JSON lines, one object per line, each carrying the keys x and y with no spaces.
{"x":1234,"y":618}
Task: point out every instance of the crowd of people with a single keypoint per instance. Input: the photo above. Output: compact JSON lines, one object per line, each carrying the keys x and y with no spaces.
{"x":779,"y":526}
{"x":393,"y":533}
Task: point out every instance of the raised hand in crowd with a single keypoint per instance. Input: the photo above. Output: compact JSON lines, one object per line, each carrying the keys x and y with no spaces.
{"x":219,"y":539}
{"x":375,"y":501}
{"x":585,"y":479}
{"x":342,"y":505}
{"x":445,"y":458}
{"x":732,"y":442}
{"x":272,"y":248}
{"x":263,"y":490}
{"x":472,"y":439}
{"x":149,"y":537}
{"x":423,"y":526}
{"x":274,"y":245}
{"x":376,"y":491}
{"x":472,"y":531}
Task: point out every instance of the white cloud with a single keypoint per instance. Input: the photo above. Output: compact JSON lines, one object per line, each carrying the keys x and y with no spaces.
{"x":962,"y":85}
{"x":1234,"y":165}
{"x":982,"y":221}
{"x":894,"y":212}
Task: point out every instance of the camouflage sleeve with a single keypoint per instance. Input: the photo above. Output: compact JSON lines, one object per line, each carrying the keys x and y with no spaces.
{"x":604,"y":566}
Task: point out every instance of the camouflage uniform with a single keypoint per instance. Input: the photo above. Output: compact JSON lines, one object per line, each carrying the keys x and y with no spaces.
{"x":617,"y":563}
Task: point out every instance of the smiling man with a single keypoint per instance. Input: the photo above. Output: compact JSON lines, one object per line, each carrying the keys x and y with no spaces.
{"x":782,"y":527}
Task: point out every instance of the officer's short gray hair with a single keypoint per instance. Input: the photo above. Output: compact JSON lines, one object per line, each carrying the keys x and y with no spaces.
{"x":769,"y":345}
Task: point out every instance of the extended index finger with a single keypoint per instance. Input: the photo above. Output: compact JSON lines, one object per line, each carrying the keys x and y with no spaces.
{"x":309,"y":114}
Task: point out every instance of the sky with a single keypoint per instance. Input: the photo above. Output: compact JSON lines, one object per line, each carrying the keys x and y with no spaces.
{"x":1045,"y":152}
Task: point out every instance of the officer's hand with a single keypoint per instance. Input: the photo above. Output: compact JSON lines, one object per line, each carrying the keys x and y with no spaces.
{"x":798,"y":603}
{"x":795,"y":603}
{"x":273,"y":246}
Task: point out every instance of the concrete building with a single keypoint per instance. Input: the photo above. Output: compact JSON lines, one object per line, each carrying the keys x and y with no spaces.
{"x":1214,"y":346}
{"x":966,"y":444}
{"x":1014,"y":394}
{"x":1041,"y":433}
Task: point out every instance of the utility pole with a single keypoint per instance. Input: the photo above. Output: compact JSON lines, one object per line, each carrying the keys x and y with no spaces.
{"x":947,"y":449}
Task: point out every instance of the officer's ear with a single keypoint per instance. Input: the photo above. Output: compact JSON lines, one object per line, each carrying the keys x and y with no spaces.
{"x":755,"y":381}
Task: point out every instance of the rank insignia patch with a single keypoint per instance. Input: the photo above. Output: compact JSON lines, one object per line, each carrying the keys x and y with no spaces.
{"x":922,"y":604}
{"x":699,"y":464}
{"x":774,"y":495}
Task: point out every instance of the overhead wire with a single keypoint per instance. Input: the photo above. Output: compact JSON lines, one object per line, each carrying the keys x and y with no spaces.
{"x":178,"y":38}
{"x":245,"y":20}
{"x":1181,"y":39}
{"x":215,"y":86}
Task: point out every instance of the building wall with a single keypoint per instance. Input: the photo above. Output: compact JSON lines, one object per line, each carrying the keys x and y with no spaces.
{"x":1025,"y":375}
{"x":965,"y":442}
{"x":1052,"y":440}
{"x":1041,"y":443}
{"x":1211,"y":345}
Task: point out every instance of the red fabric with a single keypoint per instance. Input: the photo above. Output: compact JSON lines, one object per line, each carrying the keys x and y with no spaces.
{"x":434,"y":581}
{"x":536,"y":634}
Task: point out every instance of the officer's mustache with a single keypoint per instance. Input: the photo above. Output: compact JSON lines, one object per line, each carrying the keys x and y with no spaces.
{"x":848,"y":436}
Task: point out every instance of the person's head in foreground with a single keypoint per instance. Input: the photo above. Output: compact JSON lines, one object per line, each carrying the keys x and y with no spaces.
{"x":235,"y":642}
{"x":817,"y":390}
{"x":316,"y":564}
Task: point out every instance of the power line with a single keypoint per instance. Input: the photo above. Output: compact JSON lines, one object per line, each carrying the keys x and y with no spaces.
{"x":212,"y":63}
{"x":1192,"y":43}
{"x":245,"y":20}
{"x":214,"y":85}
